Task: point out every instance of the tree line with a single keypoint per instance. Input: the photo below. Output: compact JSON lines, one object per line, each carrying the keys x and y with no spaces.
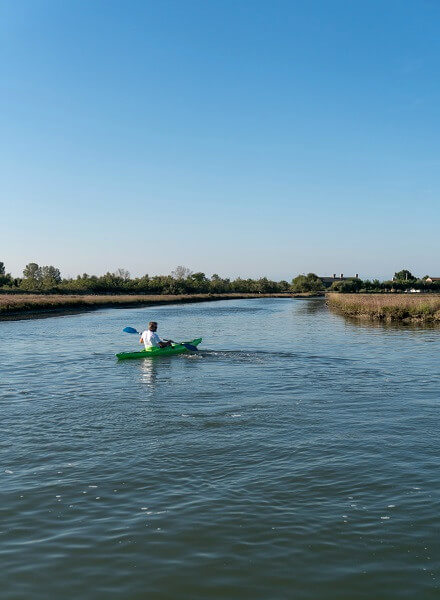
{"x":402,"y":281}
{"x":48,"y":279}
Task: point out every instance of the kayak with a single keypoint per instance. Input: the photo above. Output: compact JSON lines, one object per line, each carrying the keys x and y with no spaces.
{"x":153,"y":351}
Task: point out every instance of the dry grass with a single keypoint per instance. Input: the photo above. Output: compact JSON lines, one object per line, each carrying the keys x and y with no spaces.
{"x":20,"y":302}
{"x":35,"y":304}
{"x":388,"y":307}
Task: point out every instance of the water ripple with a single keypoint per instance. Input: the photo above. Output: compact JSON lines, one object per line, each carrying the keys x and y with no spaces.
{"x":295,"y":455}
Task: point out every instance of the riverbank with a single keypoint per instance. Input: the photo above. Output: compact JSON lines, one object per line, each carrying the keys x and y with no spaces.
{"x":28,"y":306}
{"x":407,"y":308}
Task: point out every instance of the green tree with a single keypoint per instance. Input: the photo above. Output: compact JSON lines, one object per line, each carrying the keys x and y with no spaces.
{"x":347,"y":286}
{"x":32,"y":277}
{"x":404,"y":275}
{"x":142,"y":284}
{"x":32,"y":271}
{"x":307,"y":283}
{"x":5,"y":278}
{"x":198,"y":282}
{"x":199,"y":277}
{"x":50,"y":276}
{"x":218,"y":285}
{"x":265,"y":286}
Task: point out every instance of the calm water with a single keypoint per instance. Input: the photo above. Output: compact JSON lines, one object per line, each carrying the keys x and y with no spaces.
{"x":296,"y":456}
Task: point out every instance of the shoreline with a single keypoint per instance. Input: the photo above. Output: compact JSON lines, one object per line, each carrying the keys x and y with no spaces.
{"x":14,"y":307}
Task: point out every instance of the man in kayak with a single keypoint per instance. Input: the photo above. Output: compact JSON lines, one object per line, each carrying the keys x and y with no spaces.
{"x":150,"y":338}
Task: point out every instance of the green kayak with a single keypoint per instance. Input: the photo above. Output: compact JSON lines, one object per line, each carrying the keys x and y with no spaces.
{"x":152,"y":352}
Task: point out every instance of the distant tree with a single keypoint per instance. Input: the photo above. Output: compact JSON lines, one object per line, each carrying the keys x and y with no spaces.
{"x":142,"y":284}
{"x":82,"y":284}
{"x":307,"y":283}
{"x":218,"y":285}
{"x":198,"y":283}
{"x":264,"y":286}
{"x":404,"y":275}
{"x":50,"y":276}
{"x":199,"y":277}
{"x":160,"y":284}
{"x":110,"y":282}
{"x":122,"y":274}
{"x":32,"y":271}
{"x":181,"y":272}
{"x":388,"y":285}
{"x":347,"y":285}
{"x":32,"y":276}
{"x":5,"y":279}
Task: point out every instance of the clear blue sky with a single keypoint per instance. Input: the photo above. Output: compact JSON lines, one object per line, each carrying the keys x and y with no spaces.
{"x":231,"y":136}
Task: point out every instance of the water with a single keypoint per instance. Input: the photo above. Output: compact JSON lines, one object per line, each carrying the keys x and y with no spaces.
{"x":295,"y":457}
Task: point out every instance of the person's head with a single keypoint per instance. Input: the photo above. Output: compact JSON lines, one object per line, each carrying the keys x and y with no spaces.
{"x":152,"y":325}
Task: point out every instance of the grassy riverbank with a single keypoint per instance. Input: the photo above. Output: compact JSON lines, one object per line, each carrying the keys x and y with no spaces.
{"x":34,"y":305}
{"x":387,"y":307}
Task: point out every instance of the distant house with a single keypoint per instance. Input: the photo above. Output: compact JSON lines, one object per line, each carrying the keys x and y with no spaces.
{"x":432,"y":279}
{"x":327,"y":281}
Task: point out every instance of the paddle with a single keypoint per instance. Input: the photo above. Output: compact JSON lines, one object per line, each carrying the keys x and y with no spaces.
{"x":187,"y":346}
{"x":130,"y":330}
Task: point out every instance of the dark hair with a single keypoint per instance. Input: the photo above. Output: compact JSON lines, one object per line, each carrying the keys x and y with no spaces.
{"x":151,"y":323}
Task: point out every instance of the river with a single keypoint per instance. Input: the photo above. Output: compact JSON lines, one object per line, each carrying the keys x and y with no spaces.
{"x":296,"y":456}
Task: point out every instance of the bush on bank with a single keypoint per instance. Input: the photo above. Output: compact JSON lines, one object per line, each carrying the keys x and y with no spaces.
{"x":307,"y":283}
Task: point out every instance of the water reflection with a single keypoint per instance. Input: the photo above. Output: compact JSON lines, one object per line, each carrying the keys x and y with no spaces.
{"x":357,"y":322}
{"x":312,"y":306}
{"x":148,"y":373}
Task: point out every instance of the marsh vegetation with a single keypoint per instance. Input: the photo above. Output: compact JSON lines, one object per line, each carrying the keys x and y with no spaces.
{"x":387,"y":307}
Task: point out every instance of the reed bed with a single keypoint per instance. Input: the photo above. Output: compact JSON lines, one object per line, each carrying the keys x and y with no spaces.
{"x":34,"y":304}
{"x":387,"y":307}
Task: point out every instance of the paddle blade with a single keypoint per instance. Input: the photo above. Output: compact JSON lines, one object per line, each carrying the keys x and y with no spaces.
{"x":130,"y":330}
{"x":190,"y":347}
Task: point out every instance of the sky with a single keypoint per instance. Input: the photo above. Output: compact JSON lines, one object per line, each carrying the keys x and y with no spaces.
{"x":240,"y":137}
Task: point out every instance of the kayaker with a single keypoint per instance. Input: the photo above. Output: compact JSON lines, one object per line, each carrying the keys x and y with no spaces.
{"x":150,"y":338}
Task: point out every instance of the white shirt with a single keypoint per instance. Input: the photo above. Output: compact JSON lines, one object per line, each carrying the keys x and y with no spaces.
{"x":150,"y":338}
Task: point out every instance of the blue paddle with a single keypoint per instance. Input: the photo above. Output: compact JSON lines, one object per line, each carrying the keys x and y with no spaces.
{"x":187,"y":346}
{"x":130,"y":330}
